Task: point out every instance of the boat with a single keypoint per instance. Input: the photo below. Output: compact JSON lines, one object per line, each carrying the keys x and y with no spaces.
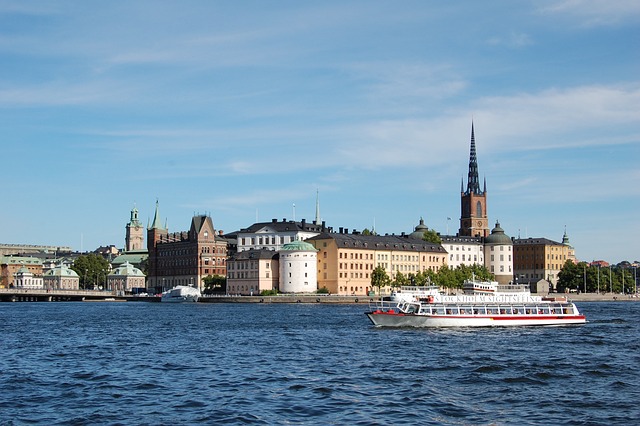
{"x":412,"y":293}
{"x":482,"y":304}
{"x":181,"y":294}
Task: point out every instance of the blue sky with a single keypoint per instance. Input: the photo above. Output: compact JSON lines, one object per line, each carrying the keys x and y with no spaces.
{"x":241,"y":109}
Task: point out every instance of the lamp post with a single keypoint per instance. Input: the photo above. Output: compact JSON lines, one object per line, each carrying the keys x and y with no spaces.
{"x":610,"y":282}
{"x":598,"y":279}
{"x":585,"y":277}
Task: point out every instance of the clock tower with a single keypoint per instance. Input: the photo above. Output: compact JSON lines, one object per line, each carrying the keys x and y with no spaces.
{"x":473,"y":219}
{"x":134,"y":237}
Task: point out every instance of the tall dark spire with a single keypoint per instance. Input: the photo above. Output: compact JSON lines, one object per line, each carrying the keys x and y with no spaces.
{"x":473,"y":185}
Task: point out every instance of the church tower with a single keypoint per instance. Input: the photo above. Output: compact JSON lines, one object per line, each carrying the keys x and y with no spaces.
{"x":473,"y":219}
{"x":134,"y":236}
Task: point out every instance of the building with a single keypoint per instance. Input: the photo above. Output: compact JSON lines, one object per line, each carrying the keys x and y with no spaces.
{"x":126,"y":279}
{"x":273,"y":235}
{"x":252,"y":271}
{"x":61,"y":277}
{"x":134,"y":236}
{"x":27,"y":249}
{"x":346,"y":261}
{"x":538,"y":258}
{"x":474,"y":221}
{"x":184,"y":258}
{"x":9,"y":266}
{"x":298,"y":271}
{"x":463,"y":250}
{"x":498,"y":254}
{"x":25,"y":279}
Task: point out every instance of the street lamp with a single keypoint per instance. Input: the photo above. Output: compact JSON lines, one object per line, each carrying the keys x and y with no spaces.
{"x":598,"y":279}
{"x":585,"y":277}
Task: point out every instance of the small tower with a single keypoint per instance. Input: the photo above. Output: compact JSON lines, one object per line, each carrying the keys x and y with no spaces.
{"x":135,"y":232}
{"x":473,"y":218}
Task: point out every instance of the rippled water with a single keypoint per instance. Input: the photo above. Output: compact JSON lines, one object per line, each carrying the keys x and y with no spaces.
{"x":151,"y":363}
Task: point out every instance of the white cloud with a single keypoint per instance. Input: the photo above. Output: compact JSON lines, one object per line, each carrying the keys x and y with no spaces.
{"x":592,"y":13}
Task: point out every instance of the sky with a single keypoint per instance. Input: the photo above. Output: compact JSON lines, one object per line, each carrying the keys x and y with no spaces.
{"x":249,"y":110}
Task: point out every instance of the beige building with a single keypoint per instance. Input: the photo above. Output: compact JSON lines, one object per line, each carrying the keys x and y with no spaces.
{"x":346,"y":261}
{"x":61,"y":277}
{"x":539,"y":258}
{"x":252,"y":271}
{"x":125,"y":278}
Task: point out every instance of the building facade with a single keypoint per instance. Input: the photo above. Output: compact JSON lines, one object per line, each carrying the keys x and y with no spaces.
{"x":346,"y":261}
{"x":462,"y":250}
{"x":184,"y":258}
{"x":273,"y":235}
{"x":251,"y":272}
{"x":298,"y":270}
{"x":539,"y":258}
{"x":61,"y":277}
{"x":9,"y":266}
{"x":25,"y":279}
{"x":498,"y":254}
{"x":125,"y":278}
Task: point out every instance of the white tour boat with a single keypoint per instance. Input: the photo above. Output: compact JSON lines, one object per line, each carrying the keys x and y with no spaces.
{"x":483,"y":304}
{"x":413,"y":293}
{"x":180,"y":294}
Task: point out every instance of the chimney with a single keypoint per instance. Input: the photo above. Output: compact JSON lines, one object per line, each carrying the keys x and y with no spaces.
{"x":274,"y":220}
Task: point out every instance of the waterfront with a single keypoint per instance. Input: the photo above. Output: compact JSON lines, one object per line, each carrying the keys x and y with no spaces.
{"x":152,"y":363}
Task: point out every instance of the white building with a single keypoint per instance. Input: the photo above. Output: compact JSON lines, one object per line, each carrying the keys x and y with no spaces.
{"x":498,"y":251}
{"x":273,"y":235}
{"x":24,"y":278}
{"x":463,"y":250}
{"x":298,"y":270}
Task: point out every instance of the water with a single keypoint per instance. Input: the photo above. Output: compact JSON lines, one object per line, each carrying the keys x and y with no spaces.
{"x":150,"y":363}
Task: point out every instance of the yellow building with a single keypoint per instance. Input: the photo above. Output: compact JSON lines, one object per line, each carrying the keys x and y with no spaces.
{"x":346,"y":261}
{"x":539,"y":258}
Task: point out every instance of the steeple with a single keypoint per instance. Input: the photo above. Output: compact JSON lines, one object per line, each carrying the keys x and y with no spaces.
{"x":317,"y":221}
{"x":473,"y":184}
{"x":156,"y":217}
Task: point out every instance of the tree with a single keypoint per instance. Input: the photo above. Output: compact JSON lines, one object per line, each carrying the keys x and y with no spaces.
{"x":432,"y":236}
{"x":214,"y":284}
{"x":379,"y":278}
{"x":92,"y":270}
{"x":400,"y":280}
{"x":366,"y":231}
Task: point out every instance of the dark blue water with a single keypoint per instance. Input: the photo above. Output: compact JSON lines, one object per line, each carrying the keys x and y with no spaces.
{"x":150,"y":363}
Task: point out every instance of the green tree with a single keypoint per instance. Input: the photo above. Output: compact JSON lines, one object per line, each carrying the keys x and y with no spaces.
{"x":379,"y":278}
{"x":92,"y":270}
{"x":432,"y":236}
{"x":401,"y":280}
{"x":214,"y":284}
{"x":366,"y":231}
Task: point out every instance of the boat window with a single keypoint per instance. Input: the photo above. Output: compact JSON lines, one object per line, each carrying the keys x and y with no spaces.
{"x":492,"y":310}
{"x":440,"y":310}
{"x":505,"y":310}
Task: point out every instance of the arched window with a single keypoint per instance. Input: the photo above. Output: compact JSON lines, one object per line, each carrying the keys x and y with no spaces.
{"x":478,"y":209}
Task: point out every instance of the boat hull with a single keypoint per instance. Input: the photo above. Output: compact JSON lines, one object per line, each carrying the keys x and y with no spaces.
{"x":389,"y":319}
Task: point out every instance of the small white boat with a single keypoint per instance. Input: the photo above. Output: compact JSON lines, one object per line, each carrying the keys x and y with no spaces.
{"x":181,"y":294}
{"x":413,"y":293}
{"x":484,"y":304}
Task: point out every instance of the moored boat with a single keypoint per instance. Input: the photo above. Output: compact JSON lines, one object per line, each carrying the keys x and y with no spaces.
{"x":181,"y":294}
{"x":483,"y":304}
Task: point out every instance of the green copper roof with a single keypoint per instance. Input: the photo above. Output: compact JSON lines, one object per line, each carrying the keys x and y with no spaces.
{"x":61,"y":271}
{"x":128,"y":270}
{"x":298,"y":246}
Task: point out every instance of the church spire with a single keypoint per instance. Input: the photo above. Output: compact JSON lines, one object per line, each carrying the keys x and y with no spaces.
{"x":473,"y":185}
{"x":156,"y":217}
{"x":317,"y":221}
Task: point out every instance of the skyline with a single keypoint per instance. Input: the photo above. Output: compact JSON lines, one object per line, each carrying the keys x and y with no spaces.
{"x":242,"y":110}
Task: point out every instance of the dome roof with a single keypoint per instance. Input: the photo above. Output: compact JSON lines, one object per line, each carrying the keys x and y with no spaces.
{"x":61,"y":271}
{"x":498,"y":236}
{"x":419,"y":230}
{"x":128,"y":270}
{"x":298,"y":246}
